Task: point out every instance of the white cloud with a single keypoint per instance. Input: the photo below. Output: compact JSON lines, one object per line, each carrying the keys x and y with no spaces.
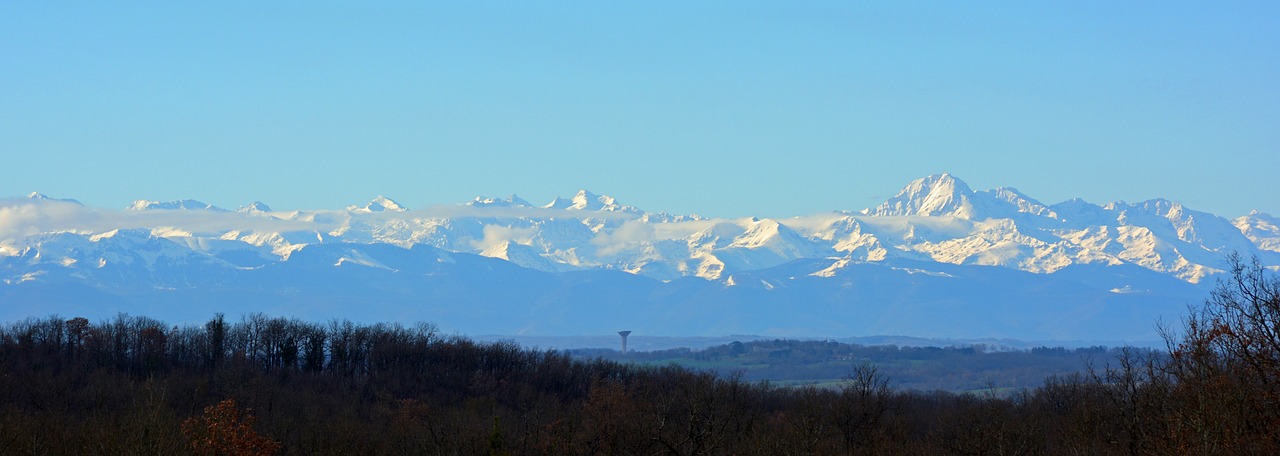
{"x":497,"y":234}
{"x":23,"y":218}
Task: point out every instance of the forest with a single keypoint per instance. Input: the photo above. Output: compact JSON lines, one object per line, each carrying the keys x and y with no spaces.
{"x":270,"y":385}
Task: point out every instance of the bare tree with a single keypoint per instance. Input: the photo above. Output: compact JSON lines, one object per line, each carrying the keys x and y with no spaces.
{"x":1227,"y":367}
{"x":864,"y":399}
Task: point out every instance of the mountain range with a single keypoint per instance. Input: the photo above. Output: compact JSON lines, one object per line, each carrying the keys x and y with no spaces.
{"x":938,"y":259}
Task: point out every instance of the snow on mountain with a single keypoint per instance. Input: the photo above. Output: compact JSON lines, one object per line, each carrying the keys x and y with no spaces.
{"x":186,"y":204}
{"x":524,"y":256}
{"x":844,"y":233}
{"x":110,"y":259}
{"x":558,"y":203}
{"x":1165,"y":236}
{"x":1260,"y":228}
{"x":510,"y":201}
{"x":945,"y":195}
{"x":938,"y":218}
{"x":42,"y":197}
{"x":268,"y":245}
{"x":663,"y":217}
{"x":936,"y":228}
{"x":936,"y":195}
{"x":767,"y":243}
{"x":1079,"y":214}
{"x":378,"y":204}
{"x":1207,"y":230}
{"x":256,"y":207}
{"x":1014,"y":202}
{"x":587,"y":201}
{"x":1158,"y":234}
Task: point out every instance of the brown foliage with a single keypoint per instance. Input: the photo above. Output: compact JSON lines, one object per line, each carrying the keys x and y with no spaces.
{"x":1226,"y":398}
{"x":225,"y":430}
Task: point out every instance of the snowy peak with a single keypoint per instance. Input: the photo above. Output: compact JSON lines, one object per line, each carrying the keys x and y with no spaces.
{"x":663,"y":217}
{"x":587,"y":201}
{"x":523,"y":256}
{"x":935,"y":219}
{"x":1079,"y":213}
{"x":1261,"y":228}
{"x":762,"y":232}
{"x":768,"y":233}
{"x":1020,"y":202}
{"x":936,"y":195}
{"x":186,"y":204}
{"x":135,"y":235}
{"x":509,"y":201}
{"x":379,"y":204}
{"x":1193,"y":226}
{"x":945,"y":195}
{"x":558,"y":203}
{"x":1158,"y":206}
{"x":37,"y":196}
{"x":256,"y":207}
{"x":1258,"y":220}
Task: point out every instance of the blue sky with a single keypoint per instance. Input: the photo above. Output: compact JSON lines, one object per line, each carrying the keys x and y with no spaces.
{"x":716,"y":108}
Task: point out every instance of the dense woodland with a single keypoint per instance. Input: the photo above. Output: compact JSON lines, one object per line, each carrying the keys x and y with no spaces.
{"x":262,"y":385}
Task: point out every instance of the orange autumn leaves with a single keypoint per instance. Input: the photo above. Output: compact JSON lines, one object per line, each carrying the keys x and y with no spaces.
{"x":225,"y":430}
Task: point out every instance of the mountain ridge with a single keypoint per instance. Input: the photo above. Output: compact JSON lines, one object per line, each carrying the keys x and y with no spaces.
{"x":920,"y":236}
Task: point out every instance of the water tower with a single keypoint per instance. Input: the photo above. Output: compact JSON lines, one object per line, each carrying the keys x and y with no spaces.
{"x":624,"y":335}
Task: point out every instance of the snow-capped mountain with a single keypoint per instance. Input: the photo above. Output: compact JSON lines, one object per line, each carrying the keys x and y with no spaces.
{"x":256,"y":207}
{"x":937,"y":247}
{"x":943,"y":195}
{"x":378,"y":204}
{"x":937,"y":195}
{"x":510,"y":201}
{"x":1262,"y":229}
{"x":587,"y":201}
{"x":40,"y":197}
{"x":187,"y":204}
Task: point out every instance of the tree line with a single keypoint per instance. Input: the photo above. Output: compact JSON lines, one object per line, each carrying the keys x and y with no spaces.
{"x":271,"y":385}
